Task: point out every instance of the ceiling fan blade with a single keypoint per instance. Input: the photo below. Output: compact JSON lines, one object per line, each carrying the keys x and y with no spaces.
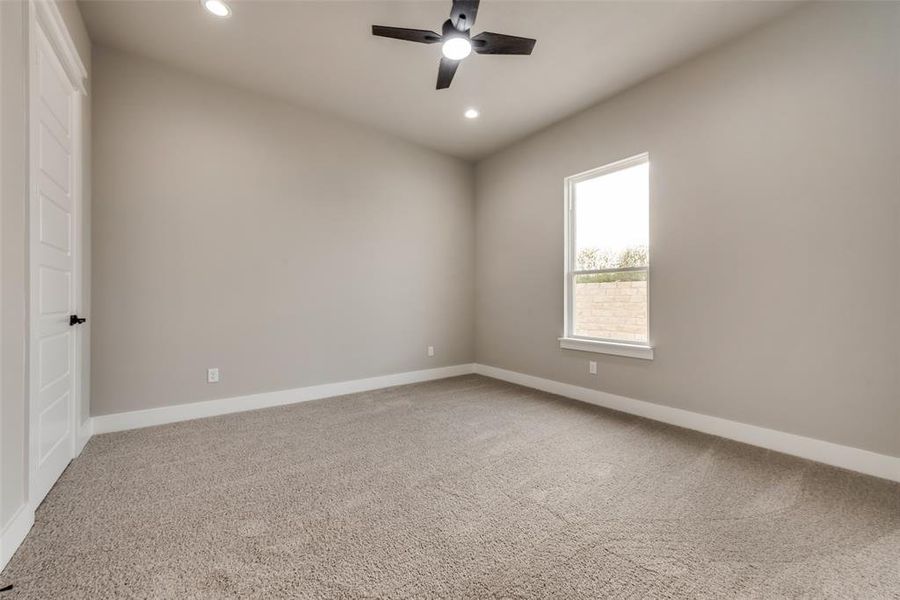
{"x":463,"y":14}
{"x":410,"y":35}
{"x":446,"y":71}
{"x":488,"y":42}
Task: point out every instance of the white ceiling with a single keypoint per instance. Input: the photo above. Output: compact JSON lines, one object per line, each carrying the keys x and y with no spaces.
{"x":322,"y":55}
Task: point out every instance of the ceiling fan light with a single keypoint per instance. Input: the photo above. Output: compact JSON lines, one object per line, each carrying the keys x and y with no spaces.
{"x":216,"y":7}
{"x":456,"y":48}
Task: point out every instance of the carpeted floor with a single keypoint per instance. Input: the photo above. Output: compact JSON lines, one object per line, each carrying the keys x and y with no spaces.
{"x":461,"y":488}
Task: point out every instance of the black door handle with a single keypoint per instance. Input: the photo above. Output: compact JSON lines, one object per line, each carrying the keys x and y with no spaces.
{"x":75,"y":320}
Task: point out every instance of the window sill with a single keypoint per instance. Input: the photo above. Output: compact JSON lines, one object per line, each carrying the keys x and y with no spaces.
{"x":617,"y":348}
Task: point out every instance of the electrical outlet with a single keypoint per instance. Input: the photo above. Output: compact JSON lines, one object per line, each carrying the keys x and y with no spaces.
{"x":430,"y":350}
{"x":212,"y":375}
{"x":592,"y":367}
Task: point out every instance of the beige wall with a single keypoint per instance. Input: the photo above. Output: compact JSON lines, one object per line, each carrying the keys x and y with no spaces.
{"x":775,"y":199}
{"x":13,"y":242}
{"x":283,"y":246}
{"x":13,"y":191}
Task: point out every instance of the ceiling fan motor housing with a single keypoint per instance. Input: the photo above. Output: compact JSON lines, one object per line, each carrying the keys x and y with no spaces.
{"x":449,"y":30}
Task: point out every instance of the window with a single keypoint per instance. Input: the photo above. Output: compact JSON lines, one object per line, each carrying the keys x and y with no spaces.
{"x":607,"y":259}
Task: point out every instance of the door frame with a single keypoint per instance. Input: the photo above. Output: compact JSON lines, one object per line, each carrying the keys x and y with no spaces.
{"x":44,"y":17}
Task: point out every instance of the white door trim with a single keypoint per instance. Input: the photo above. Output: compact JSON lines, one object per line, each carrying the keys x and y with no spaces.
{"x":46,"y":14}
{"x":45,"y":21}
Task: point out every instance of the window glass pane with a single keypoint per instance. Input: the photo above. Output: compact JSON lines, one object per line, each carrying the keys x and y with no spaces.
{"x":612,"y":219}
{"x":612,"y":233}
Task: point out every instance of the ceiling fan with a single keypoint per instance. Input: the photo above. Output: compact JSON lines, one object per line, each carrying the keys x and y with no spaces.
{"x":456,"y":43}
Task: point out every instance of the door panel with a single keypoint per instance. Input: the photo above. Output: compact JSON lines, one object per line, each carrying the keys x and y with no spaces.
{"x":54,"y":91}
{"x":53,"y":426}
{"x":55,"y":360}
{"x":54,"y":157}
{"x":55,"y":286}
{"x":56,"y":226}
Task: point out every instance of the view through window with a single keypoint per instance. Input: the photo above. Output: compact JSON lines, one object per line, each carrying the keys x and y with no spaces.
{"x":608,"y":252}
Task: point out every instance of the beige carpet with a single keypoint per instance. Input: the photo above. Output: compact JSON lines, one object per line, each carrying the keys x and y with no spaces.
{"x":461,"y":488}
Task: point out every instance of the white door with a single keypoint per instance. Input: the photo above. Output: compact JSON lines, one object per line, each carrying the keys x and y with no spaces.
{"x":54,"y":277}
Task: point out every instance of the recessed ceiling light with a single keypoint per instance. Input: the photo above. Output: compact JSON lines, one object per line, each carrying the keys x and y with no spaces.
{"x":216,"y":7}
{"x":456,"y":48}
{"x":471,"y":113}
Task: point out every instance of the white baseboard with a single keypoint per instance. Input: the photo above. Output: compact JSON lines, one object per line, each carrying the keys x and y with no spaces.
{"x":84,"y":433}
{"x":854,"y":459}
{"x":846,"y":457}
{"x":14,"y":533}
{"x":211,"y":408}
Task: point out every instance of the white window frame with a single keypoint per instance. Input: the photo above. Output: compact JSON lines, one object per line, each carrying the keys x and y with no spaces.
{"x":570,"y":341}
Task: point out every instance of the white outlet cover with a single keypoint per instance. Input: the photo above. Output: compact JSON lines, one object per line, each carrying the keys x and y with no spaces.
{"x":430,"y":350}
{"x":212,"y":375}
{"x":592,"y":367}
